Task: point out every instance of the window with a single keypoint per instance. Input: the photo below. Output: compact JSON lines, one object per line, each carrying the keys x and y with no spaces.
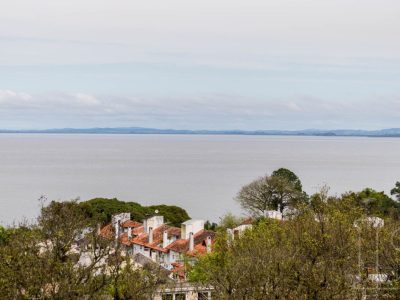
{"x":203,"y":296}
{"x":180,"y":297}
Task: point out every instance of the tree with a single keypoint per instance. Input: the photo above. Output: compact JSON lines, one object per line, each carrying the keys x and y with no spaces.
{"x":396,"y":191}
{"x":269,"y":193}
{"x":311,"y":256}
{"x":102,"y":209}
{"x":41,"y":261}
{"x":4,"y":235}
{"x":291,"y":177}
{"x":129,"y":281}
{"x":229,"y":220}
{"x":375,"y":203}
{"x":210,"y":226}
{"x":62,"y":256}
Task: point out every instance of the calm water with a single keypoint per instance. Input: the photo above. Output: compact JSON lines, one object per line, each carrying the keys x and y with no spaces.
{"x":199,"y":173}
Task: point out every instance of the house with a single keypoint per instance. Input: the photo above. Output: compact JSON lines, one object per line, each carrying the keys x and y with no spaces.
{"x":167,"y":245}
{"x":236,"y":232}
{"x":374,"y":222}
{"x":184,"y":291}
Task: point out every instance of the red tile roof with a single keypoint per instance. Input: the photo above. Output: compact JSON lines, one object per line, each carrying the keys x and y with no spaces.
{"x":107,"y":231}
{"x":248,"y":221}
{"x":142,"y":238}
{"x":132,"y":224}
{"x":139,"y":237}
{"x":138,"y":230}
{"x":200,"y":243}
{"x":199,"y":249}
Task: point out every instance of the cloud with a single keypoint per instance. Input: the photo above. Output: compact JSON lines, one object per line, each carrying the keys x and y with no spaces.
{"x":211,"y":111}
{"x":231,"y":32}
{"x":10,"y":98}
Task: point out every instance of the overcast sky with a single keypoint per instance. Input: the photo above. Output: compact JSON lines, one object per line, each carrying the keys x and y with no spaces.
{"x":212,"y":64}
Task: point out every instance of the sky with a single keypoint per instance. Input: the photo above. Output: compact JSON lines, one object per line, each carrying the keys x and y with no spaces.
{"x":210,"y":64}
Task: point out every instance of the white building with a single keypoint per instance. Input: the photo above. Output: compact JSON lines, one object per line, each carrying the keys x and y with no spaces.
{"x":164,"y":244}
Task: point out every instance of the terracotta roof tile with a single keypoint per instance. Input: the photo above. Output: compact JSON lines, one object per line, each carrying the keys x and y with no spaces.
{"x":200,"y":240}
{"x":132,"y":224}
{"x":139,"y":237}
{"x":138,"y":230}
{"x":248,"y":221}
{"x":107,"y":231}
{"x":143,"y":238}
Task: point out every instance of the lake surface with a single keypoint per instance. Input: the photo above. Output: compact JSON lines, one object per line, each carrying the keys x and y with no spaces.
{"x":200,"y":173}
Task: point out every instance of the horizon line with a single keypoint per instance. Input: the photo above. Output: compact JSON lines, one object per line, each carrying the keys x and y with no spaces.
{"x":386,"y":132}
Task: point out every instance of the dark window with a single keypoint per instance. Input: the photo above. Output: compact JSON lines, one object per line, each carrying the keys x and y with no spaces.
{"x":202,"y":296}
{"x":180,"y":297}
{"x":166,"y":297}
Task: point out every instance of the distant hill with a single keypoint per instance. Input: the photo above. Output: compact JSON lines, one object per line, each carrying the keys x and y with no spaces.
{"x":392,"y":132}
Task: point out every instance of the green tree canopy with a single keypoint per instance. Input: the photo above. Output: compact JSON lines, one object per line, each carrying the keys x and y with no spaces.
{"x":4,"y":235}
{"x":396,"y":191}
{"x":229,"y":220}
{"x":375,"y":203}
{"x":290,"y":177}
{"x":271,"y":193}
{"x":318,"y":254}
{"x":102,"y":209}
{"x":42,"y":261}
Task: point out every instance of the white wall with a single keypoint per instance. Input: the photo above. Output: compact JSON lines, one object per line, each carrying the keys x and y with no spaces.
{"x":153,"y":222}
{"x":191,"y":226}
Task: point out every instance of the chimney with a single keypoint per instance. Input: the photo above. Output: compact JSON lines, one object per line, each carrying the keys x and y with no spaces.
{"x":145,"y":225}
{"x":191,"y":241}
{"x":165,"y":238}
{"x":208,"y":244}
{"x":150,"y":235}
{"x":129,"y":233}
{"x":116,"y":230}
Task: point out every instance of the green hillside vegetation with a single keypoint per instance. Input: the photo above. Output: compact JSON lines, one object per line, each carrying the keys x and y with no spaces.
{"x":375,"y":203}
{"x":328,"y":247}
{"x":102,"y":209}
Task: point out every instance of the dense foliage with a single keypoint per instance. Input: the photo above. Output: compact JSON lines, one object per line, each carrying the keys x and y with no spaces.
{"x":396,"y":191}
{"x":326,"y":251}
{"x":276,"y":192}
{"x":375,"y":203}
{"x":4,"y":235}
{"x":62,"y":257}
{"x":283,"y":189}
{"x":290,"y":177}
{"x":345,"y":247}
{"x":102,"y":209}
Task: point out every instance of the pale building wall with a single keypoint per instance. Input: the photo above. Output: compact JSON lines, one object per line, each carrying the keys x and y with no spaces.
{"x":191,"y":226}
{"x":190,"y":292}
{"x":122,"y":217}
{"x":273,"y":214}
{"x":153,"y":222}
